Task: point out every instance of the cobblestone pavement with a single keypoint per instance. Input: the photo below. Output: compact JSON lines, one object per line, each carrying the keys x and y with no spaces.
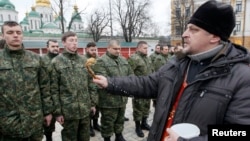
{"x":128,"y":132}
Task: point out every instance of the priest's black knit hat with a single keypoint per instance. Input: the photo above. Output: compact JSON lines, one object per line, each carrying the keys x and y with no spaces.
{"x":216,"y":18}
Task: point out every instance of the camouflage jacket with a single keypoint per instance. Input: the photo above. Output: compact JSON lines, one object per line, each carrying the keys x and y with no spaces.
{"x":140,"y":64}
{"x":153,"y":56}
{"x":24,"y":93}
{"x":94,"y":97}
{"x":47,"y":58}
{"x":70,"y":84}
{"x":109,"y":66}
{"x":160,"y":60}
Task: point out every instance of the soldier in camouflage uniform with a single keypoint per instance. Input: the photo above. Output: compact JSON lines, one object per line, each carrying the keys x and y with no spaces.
{"x":141,"y":65}
{"x":25,"y":100}
{"x":152,"y":57}
{"x":155,"y":53}
{"x":162,"y":58}
{"x":91,"y":51}
{"x":52,"y":51}
{"x":112,"y":107}
{"x":70,"y":84}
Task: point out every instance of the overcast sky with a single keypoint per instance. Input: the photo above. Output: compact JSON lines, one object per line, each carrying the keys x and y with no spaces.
{"x":159,"y":10}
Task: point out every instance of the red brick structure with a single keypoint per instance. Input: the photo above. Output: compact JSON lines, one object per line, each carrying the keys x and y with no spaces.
{"x":40,"y":47}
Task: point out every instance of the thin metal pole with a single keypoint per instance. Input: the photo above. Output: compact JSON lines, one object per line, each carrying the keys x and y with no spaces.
{"x":110,"y":12}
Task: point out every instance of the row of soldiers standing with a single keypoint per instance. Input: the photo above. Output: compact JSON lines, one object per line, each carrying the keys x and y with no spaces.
{"x":65,"y":89}
{"x":112,"y":107}
{"x":38,"y":90}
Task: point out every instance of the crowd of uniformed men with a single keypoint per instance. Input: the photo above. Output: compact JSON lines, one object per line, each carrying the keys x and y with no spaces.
{"x":37,"y":91}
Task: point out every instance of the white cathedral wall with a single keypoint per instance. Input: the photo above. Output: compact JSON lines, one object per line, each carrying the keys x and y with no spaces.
{"x":9,"y":15}
{"x":52,"y":31}
{"x":34,"y":23}
{"x":46,"y":12}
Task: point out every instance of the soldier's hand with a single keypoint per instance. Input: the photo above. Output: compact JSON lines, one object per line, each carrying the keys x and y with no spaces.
{"x":60,"y":119}
{"x":101,"y":81}
{"x":47,"y":119}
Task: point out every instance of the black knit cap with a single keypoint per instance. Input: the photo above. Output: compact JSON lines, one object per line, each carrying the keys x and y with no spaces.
{"x":216,"y":18}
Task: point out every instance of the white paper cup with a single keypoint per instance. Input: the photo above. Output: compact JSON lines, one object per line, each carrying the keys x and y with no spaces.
{"x":186,"y":130}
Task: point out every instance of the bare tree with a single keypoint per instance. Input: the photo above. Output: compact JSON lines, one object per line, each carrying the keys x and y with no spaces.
{"x":164,"y":40}
{"x":142,"y":26}
{"x":62,"y":6}
{"x":76,"y":14}
{"x":151,"y":29}
{"x":59,"y":4}
{"x":131,"y":15}
{"x":181,"y":13}
{"x":98,"y":21}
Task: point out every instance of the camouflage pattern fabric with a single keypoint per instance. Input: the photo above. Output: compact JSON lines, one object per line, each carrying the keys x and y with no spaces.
{"x":110,"y":65}
{"x":141,"y":65}
{"x":48,"y":67}
{"x":34,"y":137}
{"x":94,"y":97}
{"x":109,"y":117}
{"x":80,"y":126}
{"x":141,"y":108}
{"x":25,"y":96}
{"x":71,"y":86}
{"x":160,"y":60}
{"x":153,"y":56}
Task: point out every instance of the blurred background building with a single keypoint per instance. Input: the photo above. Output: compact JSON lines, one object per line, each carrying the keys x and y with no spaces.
{"x":181,"y":10}
{"x":40,"y":18}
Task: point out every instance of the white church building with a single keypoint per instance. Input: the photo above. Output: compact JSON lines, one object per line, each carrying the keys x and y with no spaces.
{"x":40,"y":18}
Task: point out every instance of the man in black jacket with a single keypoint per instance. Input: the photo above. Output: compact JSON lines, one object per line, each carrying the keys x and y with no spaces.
{"x":207,"y":86}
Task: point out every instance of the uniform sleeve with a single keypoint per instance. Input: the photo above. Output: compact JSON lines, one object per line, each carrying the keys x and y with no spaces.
{"x":152,"y":58}
{"x":132,"y":62}
{"x":130,"y":71}
{"x":157,"y":63}
{"x":99,"y":68}
{"x":54,"y":88}
{"x":44,"y":81}
{"x":92,"y":92}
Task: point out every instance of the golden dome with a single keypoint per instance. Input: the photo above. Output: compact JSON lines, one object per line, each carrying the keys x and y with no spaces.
{"x":76,"y":7}
{"x":43,"y":3}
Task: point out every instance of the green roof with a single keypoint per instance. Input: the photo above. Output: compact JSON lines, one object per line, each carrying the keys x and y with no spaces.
{"x":24,"y":21}
{"x":50,"y":26}
{"x":59,"y":19}
{"x":6,"y":4}
{"x":35,"y":14}
{"x":77,"y":17}
{"x":36,"y":31}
